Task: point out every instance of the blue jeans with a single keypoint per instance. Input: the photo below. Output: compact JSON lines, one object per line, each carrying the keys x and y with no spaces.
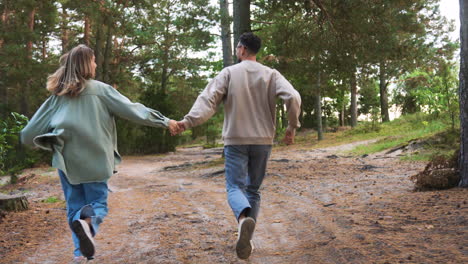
{"x":79,"y":195}
{"x":245,"y":169}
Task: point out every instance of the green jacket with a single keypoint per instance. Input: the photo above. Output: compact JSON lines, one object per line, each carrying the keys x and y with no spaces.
{"x":81,"y":130}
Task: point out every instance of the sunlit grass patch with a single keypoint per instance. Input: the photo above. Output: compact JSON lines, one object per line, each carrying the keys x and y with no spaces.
{"x":51,"y":199}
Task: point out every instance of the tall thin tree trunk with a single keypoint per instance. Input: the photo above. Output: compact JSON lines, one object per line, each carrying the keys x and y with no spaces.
{"x":284,"y":117}
{"x":107,"y":55}
{"x":98,"y":50}
{"x":383,"y":94}
{"x":29,"y":45}
{"x":65,"y":31}
{"x":318,"y":107}
{"x":87,"y":30}
{"x":3,"y":88}
{"x":353,"y":99}
{"x":342,"y":115}
{"x":463,"y":93}
{"x":4,"y":19}
{"x":44,"y":48}
{"x":241,"y":16}
{"x":226,"y":33}
{"x":24,"y":87}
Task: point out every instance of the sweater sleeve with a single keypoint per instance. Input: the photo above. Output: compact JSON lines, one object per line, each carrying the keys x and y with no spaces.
{"x":291,"y":99}
{"x":39,"y":123}
{"x":207,"y":102}
{"x":121,"y":106}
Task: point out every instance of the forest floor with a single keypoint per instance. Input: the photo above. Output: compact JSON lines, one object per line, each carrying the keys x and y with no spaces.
{"x":318,"y":206}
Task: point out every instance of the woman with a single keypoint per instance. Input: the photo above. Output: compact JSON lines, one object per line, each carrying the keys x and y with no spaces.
{"x":77,"y":124}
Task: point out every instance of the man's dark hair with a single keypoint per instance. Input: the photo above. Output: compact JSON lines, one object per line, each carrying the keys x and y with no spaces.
{"x":251,"y":42}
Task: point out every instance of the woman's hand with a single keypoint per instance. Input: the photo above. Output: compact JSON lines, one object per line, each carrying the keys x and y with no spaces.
{"x":173,"y":127}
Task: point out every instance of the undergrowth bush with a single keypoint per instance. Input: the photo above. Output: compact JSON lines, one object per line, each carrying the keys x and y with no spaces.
{"x":13,"y":156}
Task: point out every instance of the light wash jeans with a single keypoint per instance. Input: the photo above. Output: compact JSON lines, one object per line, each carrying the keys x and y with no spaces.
{"x":79,"y":195}
{"x":245,"y":169}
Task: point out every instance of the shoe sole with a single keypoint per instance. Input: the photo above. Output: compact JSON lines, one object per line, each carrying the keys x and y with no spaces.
{"x":83,"y":232}
{"x":243,"y":246}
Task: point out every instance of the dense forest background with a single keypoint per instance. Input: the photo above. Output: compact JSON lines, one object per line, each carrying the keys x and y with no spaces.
{"x":348,"y":59}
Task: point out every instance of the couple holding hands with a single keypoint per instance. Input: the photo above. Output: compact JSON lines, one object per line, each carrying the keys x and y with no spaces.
{"x":77,"y":124}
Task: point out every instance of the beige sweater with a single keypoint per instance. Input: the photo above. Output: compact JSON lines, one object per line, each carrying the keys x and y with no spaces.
{"x":249,"y":91}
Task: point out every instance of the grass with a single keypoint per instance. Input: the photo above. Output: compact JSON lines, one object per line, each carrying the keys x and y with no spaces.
{"x":213,"y":163}
{"x":51,"y":199}
{"x":436,"y":132}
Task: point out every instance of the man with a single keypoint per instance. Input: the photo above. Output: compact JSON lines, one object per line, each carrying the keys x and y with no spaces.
{"x":248,"y":90}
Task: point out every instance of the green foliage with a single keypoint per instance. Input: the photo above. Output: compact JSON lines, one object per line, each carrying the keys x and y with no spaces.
{"x":9,"y":142}
{"x":369,"y":99}
{"x":13,"y":156}
{"x":213,"y":130}
{"x":431,"y":91}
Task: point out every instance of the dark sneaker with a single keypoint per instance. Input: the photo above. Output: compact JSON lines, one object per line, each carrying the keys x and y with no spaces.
{"x":83,"y":232}
{"x":244,"y":245}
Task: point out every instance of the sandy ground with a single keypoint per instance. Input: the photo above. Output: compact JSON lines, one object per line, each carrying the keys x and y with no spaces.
{"x":318,"y":206}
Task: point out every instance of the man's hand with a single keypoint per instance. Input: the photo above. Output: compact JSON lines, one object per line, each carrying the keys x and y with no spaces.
{"x":289,"y":136}
{"x":181,"y":126}
{"x":173,"y":127}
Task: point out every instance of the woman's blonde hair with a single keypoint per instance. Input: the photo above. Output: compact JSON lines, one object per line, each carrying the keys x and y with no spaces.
{"x":75,"y":68}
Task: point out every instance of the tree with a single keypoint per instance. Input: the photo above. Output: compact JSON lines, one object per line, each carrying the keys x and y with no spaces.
{"x":225,"y":32}
{"x":463,"y":93}
{"x":241,"y":16}
{"x":399,"y":37}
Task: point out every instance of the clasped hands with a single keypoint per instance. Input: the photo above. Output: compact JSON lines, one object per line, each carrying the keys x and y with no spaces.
{"x":176,"y":127}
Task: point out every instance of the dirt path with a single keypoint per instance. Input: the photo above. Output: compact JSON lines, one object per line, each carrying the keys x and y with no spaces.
{"x":318,"y":206}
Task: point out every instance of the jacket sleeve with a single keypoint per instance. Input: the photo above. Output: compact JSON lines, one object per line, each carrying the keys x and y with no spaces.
{"x":207,"y":102}
{"x":291,"y":99}
{"x":39,"y":123}
{"x":121,"y":106}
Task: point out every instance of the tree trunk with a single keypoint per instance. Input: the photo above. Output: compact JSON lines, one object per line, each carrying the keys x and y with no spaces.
{"x":342,"y":115}
{"x":284,"y":116}
{"x":165,"y":71}
{"x":318,"y":107}
{"x":226,"y":33}
{"x":463,"y":93}
{"x":87,"y":30}
{"x":4,"y":19}
{"x":29,"y":45}
{"x":65,"y":32}
{"x":107,"y":55}
{"x":44,"y":48}
{"x":64,"y":36}
{"x":13,"y":202}
{"x":353,"y":99}
{"x":98,"y":50}
{"x":241,"y":14}
{"x":24,"y":87}
{"x":383,"y":94}
{"x":3,"y":88}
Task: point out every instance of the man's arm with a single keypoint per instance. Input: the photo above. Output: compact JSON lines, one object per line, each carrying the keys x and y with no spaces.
{"x":292,"y":100}
{"x":207,"y":102}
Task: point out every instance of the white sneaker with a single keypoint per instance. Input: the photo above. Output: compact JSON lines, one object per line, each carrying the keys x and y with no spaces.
{"x":83,"y":232}
{"x":244,"y":244}
{"x":79,"y":260}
